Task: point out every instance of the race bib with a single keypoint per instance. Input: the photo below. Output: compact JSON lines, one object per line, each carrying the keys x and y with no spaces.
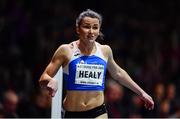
{"x":88,"y":74}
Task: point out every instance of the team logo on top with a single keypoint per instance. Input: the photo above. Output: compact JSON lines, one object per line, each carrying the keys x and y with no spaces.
{"x":76,"y":53}
{"x":82,"y":62}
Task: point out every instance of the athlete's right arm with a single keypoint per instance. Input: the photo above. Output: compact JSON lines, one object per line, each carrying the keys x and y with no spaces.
{"x":56,"y":62}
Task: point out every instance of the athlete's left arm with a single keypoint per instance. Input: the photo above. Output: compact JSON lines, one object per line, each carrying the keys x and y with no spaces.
{"x":123,"y":78}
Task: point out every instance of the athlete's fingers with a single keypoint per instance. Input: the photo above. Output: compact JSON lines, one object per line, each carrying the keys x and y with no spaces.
{"x":52,"y":87}
{"x":53,"y":93}
{"x":53,"y":84}
{"x":149,"y":105}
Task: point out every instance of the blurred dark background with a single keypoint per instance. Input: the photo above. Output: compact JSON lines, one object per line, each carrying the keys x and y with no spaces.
{"x":144,"y":37}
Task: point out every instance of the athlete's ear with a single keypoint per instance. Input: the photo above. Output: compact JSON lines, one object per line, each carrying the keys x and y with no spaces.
{"x":77,"y":29}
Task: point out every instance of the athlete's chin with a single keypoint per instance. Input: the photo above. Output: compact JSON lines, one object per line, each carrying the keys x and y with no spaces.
{"x":91,"y":40}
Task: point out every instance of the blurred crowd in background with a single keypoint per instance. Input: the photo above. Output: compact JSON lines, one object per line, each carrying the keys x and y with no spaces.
{"x":144,"y":37}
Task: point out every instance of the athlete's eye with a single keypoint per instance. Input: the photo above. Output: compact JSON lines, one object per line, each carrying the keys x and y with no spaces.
{"x":95,"y":27}
{"x":86,"y":26}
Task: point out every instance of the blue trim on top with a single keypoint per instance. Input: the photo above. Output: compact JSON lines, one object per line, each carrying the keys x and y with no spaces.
{"x":70,"y":78}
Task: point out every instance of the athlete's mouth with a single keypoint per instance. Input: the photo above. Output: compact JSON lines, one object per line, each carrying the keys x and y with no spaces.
{"x":90,"y":36}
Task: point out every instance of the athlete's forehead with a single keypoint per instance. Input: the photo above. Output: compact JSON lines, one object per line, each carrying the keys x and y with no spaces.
{"x":90,"y":20}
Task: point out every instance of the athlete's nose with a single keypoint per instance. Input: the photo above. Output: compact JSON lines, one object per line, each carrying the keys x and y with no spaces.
{"x":90,"y":30}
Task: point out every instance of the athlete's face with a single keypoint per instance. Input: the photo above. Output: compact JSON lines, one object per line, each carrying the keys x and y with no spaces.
{"x":88,"y":29}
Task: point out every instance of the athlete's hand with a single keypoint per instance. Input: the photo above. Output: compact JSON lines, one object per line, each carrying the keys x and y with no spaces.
{"x":52,"y":87}
{"x":148,"y":101}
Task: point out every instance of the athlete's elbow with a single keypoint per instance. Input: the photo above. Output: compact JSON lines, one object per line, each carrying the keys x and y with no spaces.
{"x":116,"y":75}
{"x":41,"y":79}
{"x":120,"y":74}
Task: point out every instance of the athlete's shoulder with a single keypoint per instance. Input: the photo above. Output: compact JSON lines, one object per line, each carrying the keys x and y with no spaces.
{"x":105,"y":48}
{"x":66,"y":47}
{"x":63,"y":50}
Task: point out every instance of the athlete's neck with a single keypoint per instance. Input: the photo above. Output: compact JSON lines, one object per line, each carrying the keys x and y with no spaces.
{"x":86,"y":48}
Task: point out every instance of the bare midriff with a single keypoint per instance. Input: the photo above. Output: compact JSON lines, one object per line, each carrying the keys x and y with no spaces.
{"x":82,"y":100}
